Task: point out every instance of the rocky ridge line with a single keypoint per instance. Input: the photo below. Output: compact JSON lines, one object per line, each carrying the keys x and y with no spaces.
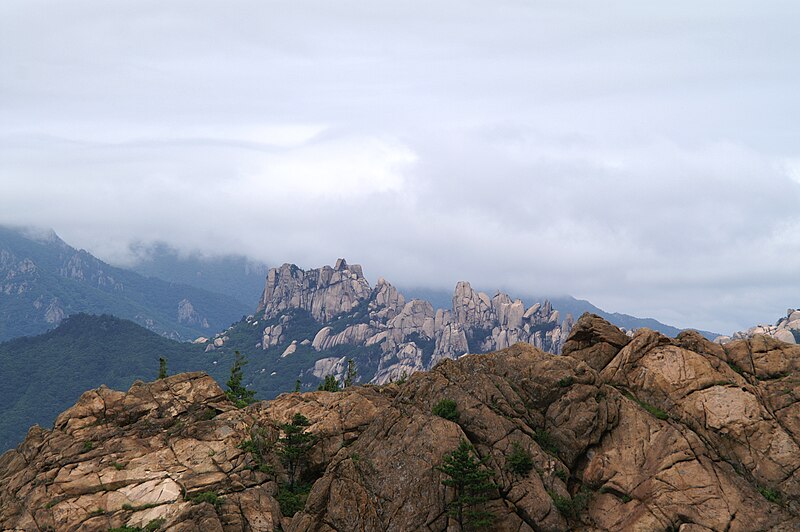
{"x":412,"y":335}
{"x":787,"y":329}
{"x":625,"y":433}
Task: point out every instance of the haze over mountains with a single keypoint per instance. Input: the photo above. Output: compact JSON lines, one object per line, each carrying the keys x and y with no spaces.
{"x":43,"y":280}
{"x":233,"y":275}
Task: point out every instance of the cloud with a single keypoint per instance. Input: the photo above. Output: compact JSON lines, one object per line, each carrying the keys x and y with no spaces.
{"x":645,"y":161}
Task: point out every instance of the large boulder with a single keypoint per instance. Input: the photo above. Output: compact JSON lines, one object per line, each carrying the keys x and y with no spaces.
{"x":595,"y":341}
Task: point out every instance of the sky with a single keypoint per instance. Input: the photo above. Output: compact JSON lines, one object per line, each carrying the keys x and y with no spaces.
{"x":640,"y":155}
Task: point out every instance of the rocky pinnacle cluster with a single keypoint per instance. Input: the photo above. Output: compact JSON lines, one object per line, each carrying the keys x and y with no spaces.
{"x":475,"y":323}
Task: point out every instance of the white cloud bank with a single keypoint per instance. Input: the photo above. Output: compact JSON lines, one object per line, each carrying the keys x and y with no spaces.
{"x":643,"y":159}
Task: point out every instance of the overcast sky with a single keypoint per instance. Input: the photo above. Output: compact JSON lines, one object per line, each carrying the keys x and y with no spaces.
{"x":645,"y":156}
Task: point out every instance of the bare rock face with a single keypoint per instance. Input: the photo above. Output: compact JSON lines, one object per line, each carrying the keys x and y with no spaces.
{"x":335,"y":366}
{"x":189,"y":316}
{"x":669,"y":434}
{"x":451,"y":342}
{"x":386,"y":301}
{"x":407,"y":360}
{"x":595,"y":341}
{"x":417,"y":317}
{"x":325,"y":292}
{"x":471,"y":308}
{"x":353,"y":335}
{"x":383,"y":318}
{"x":118,"y":459}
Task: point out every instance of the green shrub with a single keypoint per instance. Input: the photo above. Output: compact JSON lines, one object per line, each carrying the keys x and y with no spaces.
{"x":132,"y":508}
{"x":771,"y":495}
{"x":654,"y":411}
{"x":563,"y":504}
{"x":210,"y":497}
{"x":657,"y":412}
{"x":447,"y":409}
{"x":520,"y":460}
{"x":87,"y":446}
{"x":294,"y":446}
{"x":566,"y":381}
{"x":155,"y":524}
{"x":735,"y":368}
{"x":545,"y":441}
{"x":562,"y":474}
{"x":330,"y":384}
{"x":581,"y":500}
{"x":292,"y":500}
{"x":96,"y":512}
{"x":571,"y":507}
{"x":152,"y":526}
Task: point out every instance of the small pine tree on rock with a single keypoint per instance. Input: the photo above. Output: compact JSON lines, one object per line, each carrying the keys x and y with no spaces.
{"x":294,"y":446}
{"x":237,"y":393}
{"x":469,"y":479}
{"x":330,"y":384}
{"x":162,"y":368}
{"x":352,"y":374}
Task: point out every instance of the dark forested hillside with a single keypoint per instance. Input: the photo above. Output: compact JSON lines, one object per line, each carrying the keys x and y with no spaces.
{"x":40,"y":376}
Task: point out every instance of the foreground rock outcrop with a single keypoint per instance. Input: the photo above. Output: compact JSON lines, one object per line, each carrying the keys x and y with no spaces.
{"x":641,"y":433}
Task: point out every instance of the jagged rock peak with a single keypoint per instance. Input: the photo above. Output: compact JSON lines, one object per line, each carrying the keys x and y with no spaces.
{"x":787,"y":329}
{"x":595,"y":341}
{"x":323,"y":292}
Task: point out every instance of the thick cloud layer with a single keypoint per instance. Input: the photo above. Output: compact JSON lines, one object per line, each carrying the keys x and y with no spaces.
{"x":643,"y":157}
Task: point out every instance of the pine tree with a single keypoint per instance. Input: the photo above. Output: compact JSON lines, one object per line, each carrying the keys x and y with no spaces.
{"x":294,"y":446}
{"x":237,"y":393}
{"x":330,"y":384}
{"x":162,"y":368}
{"x":352,"y":374}
{"x":297,"y":385}
{"x":469,"y":479}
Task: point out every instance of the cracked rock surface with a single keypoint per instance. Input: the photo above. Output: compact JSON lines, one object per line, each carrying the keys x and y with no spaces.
{"x":641,"y":433}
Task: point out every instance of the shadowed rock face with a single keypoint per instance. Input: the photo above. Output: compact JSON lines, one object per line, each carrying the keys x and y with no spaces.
{"x":642,"y":433}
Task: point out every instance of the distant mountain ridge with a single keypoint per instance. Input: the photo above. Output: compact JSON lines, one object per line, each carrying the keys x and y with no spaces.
{"x":786,"y":329}
{"x":566,"y":305}
{"x":328,"y":315}
{"x":43,"y":280}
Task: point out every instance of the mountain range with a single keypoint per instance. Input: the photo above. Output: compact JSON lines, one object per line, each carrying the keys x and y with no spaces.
{"x":43,"y":280}
{"x":303,"y":325}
